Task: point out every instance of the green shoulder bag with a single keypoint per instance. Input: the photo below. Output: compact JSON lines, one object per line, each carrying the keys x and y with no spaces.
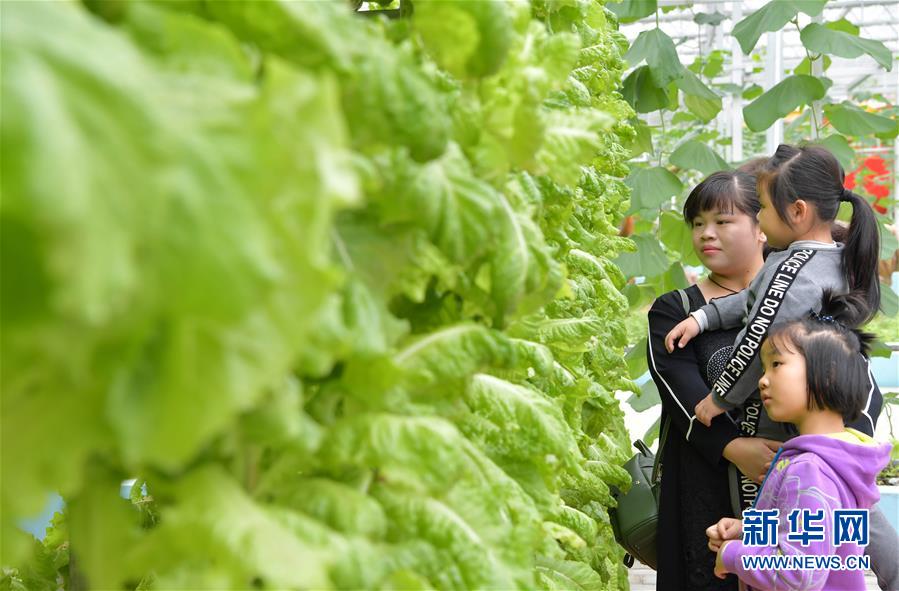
{"x":635,"y":520}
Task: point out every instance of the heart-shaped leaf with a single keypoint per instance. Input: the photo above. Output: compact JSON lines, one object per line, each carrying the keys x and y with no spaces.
{"x":888,"y":244}
{"x":839,"y":147}
{"x":889,"y":301}
{"x":697,"y":156}
{"x":821,"y":39}
{"x":630,"y":11}
{"x":682,"y":116}
{"x":705,"y":109}
{"x":842,"y":25}
{"x":704,"y":18}
{"x":642,"y":138}
{"x":714,"y":65}
{"x":690,"y":84}
{"x":650,"y":187}
{"x":653,"y":432}
{"x":730,"y":88}
{"x":772,"y":17}
{"x":781,"y":99}
{"x":648,"y":261}
{"x":636,"y":360}
{"x":658,"y":50}
{"x":699,"y":98}
{"x":677,"y":237}
{"x":850,"y":120}
{"x":805,"y":66}
{"x":639,"y":90}
{"x":753,"y":91}
{"x":674,"y":278}
{"x":648,"y":396}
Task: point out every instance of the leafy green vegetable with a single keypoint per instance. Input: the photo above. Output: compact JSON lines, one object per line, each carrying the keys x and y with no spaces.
{"x":339,"y":291}
{"x":465,"y":37}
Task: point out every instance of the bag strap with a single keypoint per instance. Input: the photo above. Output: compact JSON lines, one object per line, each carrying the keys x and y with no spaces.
{"x":685,"y":301}
{"x":666,"y":424}
{"x":657,"y":463}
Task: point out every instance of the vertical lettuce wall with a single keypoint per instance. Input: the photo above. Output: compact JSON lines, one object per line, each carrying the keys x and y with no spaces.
{"x":337,"y":289}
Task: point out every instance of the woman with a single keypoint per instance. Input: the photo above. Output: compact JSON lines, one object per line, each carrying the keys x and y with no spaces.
{"x":700,"y":479}
{"x":721,"y":214}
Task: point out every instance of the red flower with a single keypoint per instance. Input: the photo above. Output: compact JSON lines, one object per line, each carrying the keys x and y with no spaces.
{"x":871,"y":170}
{"x":876,"y":165}
{"x":876,"y":190}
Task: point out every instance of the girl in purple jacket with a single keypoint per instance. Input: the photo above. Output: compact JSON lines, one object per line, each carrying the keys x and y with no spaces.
{"x":815,"y":376}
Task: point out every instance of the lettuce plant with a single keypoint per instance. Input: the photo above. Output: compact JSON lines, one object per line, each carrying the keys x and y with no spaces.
{"x":337,"y":290}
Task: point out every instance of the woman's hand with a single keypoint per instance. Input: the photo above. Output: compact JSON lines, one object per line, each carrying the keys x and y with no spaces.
{"x":685,"y":331}
{"x":729,"y":528}
{"x":715,"y":540}
{"x":751,"y":455}
{"x":707,"y":410}
{"x":726,"y":529}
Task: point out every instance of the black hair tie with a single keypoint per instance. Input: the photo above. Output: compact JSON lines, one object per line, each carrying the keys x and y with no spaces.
{"x":845,"y":194}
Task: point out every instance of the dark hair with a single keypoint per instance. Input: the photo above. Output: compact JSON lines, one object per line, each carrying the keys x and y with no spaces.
{"x":754,"y":166}
{"x":839,"y":232}
{"x":813,"y":174}
{"x":725,"y":190}
{"x":834,"y":350}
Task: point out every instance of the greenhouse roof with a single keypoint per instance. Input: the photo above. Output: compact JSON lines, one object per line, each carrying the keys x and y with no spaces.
{"x":877,"y":20}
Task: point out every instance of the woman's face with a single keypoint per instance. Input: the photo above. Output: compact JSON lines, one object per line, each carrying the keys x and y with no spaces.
{"x":727,"y":242}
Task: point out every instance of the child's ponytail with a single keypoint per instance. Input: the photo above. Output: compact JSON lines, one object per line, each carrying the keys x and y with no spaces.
{"x":862,"y":251}
{"x":849,"y":312}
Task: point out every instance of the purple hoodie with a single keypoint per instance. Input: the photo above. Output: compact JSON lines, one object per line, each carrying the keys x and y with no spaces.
{"x":827,"y":472}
